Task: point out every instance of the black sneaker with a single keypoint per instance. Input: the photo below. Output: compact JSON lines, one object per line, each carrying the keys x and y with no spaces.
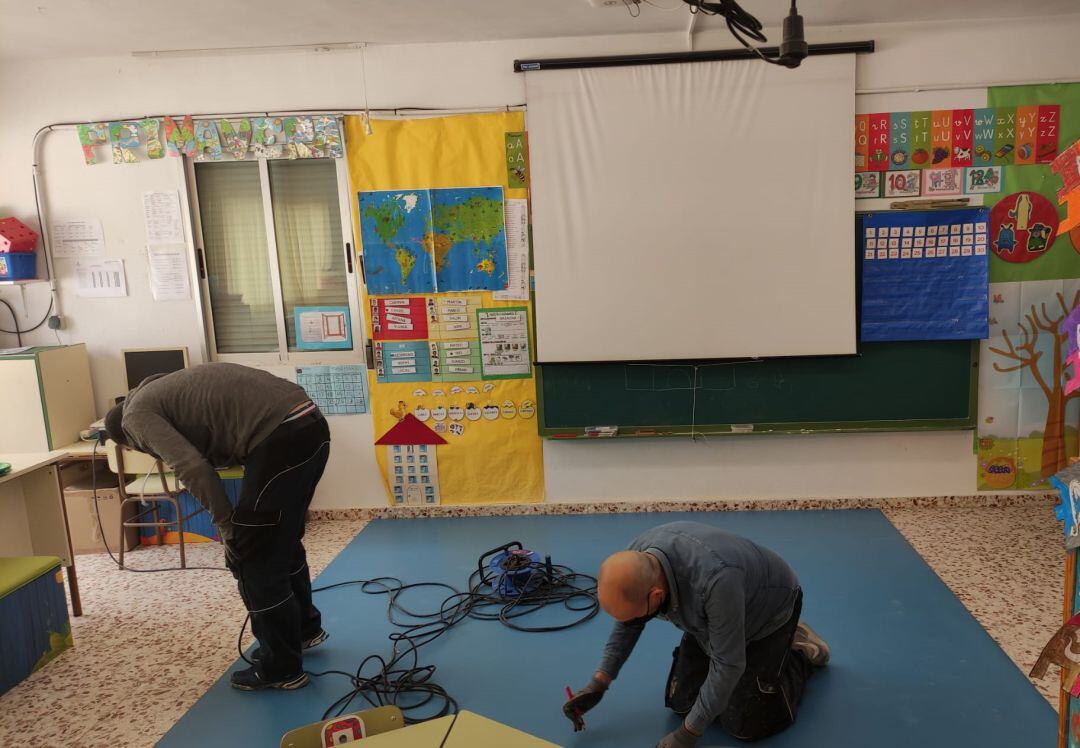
{"x":311,"y":643}
{"x":250,"y":680}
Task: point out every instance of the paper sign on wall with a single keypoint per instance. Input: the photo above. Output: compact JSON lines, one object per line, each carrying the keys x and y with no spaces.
{"x":903,"y":183}
{"x":517,"y":252}
{"x":322,"y":328}
{"x":942,"y":182}
{"x":161,"y":212}
{"x":82,"y":238}
{"x":504,"y":343}
{"x":100,"y":279}
{"x":867,"y":184}
{"x":169,"y":273}
{"x":337,"y":390}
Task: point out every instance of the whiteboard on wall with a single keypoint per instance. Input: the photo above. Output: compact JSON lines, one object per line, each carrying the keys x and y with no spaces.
{"x":693,"y":210}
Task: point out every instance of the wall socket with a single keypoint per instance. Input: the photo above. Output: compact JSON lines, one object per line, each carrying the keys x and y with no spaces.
{"x":611,"y":3}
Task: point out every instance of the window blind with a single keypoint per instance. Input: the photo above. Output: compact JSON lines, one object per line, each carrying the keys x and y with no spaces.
{"x":307,"y":226}
{"x":237,"y":265}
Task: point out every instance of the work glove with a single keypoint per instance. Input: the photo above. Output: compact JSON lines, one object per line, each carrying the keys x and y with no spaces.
{"x":681,"y":738}
{"x":583,"y":701}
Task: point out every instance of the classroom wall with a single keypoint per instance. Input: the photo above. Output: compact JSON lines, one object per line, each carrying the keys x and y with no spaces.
{"x":462,"y":76}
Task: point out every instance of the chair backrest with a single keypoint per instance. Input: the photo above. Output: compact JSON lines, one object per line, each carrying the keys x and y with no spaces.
{"x":134,"y":462}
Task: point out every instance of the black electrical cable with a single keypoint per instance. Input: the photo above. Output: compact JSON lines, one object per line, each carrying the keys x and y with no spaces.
{"x":17,"y":333}
{"x":740,"y":23}
{"x":401,"y":680}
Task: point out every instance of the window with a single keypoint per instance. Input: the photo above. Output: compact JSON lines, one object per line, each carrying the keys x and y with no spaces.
{"x":273,"y":235}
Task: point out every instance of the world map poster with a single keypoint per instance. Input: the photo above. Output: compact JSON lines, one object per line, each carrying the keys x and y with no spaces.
{"x":433,"y":241}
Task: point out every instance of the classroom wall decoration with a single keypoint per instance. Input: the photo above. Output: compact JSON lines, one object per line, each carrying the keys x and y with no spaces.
{"x":1027,"y":421}
{"x":1067,"y":167}
{"x":411,"y":462}
{"x":420,"y":241}
{"x":1022,"y":227}
{"x":925,"y":275}
{"x":1060,"y":257}
{"x":1014,"y":135}
{"x":448,"y":355}
{"x":314,"y":136}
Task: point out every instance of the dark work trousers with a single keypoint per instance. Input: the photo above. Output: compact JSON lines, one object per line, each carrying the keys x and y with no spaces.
{"x":765,"y":699}
{"x":267,"y":552}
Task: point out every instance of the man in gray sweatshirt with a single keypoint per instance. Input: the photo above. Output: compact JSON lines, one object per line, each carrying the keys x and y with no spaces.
{"x":744,"y":656}
{"x":216,"y":415}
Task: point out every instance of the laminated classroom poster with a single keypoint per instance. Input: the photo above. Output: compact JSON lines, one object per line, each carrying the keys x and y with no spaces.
{"x":880,"y":142}
{"x":1004,"y":135}
{"x":862,"y":141}
{"x":1027,"y":423}
{"x":941,"y":139}
{"x":963,"y":136}
{"x":1046,"y":142}
{"x":322,"y":328}
{"x":1027,"y":130}
{"x":899,"y":139}
{"x":982,"y":150}
{"x":483,"y":432}
{"x":426,"y":240}
{"x":920,"y":140}
{"x":1028,"y":194}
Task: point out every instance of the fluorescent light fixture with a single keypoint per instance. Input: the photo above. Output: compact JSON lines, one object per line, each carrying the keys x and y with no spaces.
{"x":209,"y":52}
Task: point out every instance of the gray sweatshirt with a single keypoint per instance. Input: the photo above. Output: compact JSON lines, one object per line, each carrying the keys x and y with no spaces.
{"x":724,"y":591}
{"x":205,"y":417}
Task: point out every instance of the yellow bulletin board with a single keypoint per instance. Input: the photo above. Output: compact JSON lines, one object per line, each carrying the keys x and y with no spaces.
{"x":484,"y":459}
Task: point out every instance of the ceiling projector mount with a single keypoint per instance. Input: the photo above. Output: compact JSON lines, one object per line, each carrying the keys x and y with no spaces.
{"x":743,"y":26}
{"x":746,"y":28}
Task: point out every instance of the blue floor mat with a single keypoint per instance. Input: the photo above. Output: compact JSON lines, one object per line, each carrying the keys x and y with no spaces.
{"x":910,"y":666}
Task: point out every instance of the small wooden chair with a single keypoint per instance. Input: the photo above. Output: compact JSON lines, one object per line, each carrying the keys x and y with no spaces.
{"x":138,"y":483}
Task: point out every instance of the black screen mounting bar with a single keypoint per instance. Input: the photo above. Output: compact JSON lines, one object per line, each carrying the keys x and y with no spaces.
{"x":663,"y":58}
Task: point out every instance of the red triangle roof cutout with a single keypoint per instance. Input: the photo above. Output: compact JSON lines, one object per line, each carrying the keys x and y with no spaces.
{"x":409,"y":430}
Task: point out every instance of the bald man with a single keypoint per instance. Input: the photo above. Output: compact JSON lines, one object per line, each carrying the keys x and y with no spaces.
{"x":744,"y":657}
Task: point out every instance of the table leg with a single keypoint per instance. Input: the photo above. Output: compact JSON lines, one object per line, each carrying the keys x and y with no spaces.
{"x":73,"y":585}
{"x":72,"y":575}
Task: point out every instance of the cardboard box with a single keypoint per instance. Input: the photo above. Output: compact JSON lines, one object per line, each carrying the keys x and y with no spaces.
{"x":86,"y":536}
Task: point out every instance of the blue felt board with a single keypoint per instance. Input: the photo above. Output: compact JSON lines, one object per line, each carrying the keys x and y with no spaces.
{"x":910,"y":666}
{"x":909,"y":294}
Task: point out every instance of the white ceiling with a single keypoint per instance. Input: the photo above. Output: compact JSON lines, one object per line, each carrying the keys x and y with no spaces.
{"x":70,"y":28}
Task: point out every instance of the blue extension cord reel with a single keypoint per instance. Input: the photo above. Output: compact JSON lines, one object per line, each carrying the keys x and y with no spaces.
{"x":513,"y":571}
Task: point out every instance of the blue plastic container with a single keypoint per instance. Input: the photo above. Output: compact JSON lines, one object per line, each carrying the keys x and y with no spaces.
{"x":18,"y":266}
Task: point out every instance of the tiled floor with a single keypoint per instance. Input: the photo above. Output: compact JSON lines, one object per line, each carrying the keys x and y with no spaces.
{"x":147,"y":648}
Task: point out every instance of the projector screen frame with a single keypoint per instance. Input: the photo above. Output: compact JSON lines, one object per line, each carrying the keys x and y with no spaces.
{"x":664,"y":58}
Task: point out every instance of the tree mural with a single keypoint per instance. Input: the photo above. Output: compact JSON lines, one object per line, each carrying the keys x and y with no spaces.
{"x":1024,"y":354}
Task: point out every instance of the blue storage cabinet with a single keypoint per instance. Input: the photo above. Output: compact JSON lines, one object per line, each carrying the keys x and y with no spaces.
{"x":34,"y":625}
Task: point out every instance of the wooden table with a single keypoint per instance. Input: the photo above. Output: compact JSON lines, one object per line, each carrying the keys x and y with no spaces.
{"x":33,"y":516}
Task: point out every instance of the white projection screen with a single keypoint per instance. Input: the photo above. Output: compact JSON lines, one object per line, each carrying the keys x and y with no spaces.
{"x":693,"y":210}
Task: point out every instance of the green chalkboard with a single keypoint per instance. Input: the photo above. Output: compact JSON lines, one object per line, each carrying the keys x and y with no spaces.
{"x":885,"y":387}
